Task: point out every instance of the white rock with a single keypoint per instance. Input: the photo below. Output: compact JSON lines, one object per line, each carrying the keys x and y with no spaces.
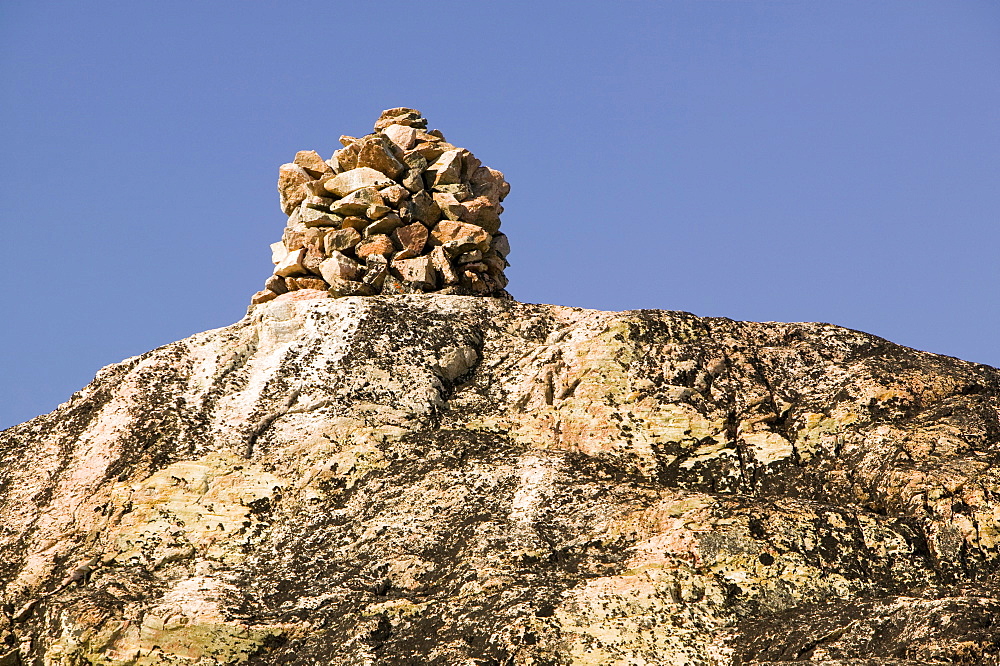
{"x":401,"y":135}
{"x":339,"y":267}
{"x":349,"y":181}
{"x":291,"y":264}
{"x":278,"y":252}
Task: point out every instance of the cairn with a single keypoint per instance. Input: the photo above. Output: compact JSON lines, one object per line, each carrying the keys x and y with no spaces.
{"x":398,"y":211}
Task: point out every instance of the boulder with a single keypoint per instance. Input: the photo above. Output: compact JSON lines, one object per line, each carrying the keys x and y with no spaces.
{"x":339,"y":267}
{"x":291,"y":178}
{"x":489,"y":183}
{"x":394,"y":195}
{"x":423,"y":209}
{"x":449,"y":205}
{"x":481,"y":212}
{"x":278,"y":252}
{"x":347,"y":182}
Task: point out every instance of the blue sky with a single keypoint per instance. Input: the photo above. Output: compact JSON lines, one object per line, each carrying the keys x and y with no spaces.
{"x":774,"y":160}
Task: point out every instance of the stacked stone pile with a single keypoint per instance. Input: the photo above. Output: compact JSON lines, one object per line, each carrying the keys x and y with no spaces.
{"x":398,"y":211}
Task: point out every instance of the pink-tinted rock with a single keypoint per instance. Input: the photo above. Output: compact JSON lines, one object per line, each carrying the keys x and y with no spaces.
{"x":263,"y":297}
{"x":402,"y":135}
{"x":312,"y":163}
{"x":418,"y":269}
{"x":375,"y":245}
{"x":302,"y":295}
{"x":440,"y":261}
{"x":291,"y":178}
{"x":292,"y":264}
{"x":412,"y":237}
{"x":377,"y":153}
{"x":458,"y":237}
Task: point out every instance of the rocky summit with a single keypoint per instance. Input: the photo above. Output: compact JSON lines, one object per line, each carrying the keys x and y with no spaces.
{"x":398,"y":211}
{"x":377,"y":466}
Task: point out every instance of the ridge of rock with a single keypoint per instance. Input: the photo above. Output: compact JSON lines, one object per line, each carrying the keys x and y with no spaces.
{"x":451,"y":480}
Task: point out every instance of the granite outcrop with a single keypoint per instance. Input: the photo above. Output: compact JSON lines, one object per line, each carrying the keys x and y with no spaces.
{"x":455,"y":480}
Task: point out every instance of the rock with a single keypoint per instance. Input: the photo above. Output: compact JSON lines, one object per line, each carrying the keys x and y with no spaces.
{"x":347,"y":157}
{"x":401,"y":116}
{"x":394,"y":195}
{"x":278,"y":252}
{"x":256,"y":299}
{"x":482,"y":213}
{"x":458,"y":237}
{"x":376,"y":211}
{"x":314,"y":257}
{"x":375,"y":245}
{"x":469,"y":165}
{"x":291,"y":178}
{"x":301,"y":295}
{"x":376,"y":269}
{"x":449,"y":205}
{"x":355,"y":222}
{"x":440,"y":261}
{"x":293,"y":238}
{"x":340,"y":288}
{"x":429,"y":151}
{"x":423,"y":209}
{"x":469,"y":257}
{"x":412,"y":238}
{"x":347,"y":182}
{"x":312,"y":163}
{"x":417,"y":270}
{"x":385,"y":225}
{"x":377,"y":153}
{"x":403,"y":136}
{"x":311,"y":283}
{"x":291,"y":264}
{"x":495,"y":264}
{"x":446,"y":169}
{"x":453,"y":362}
{"x":413,"y":181}
{"x":500,"y":245}
{"x":342,"y":239}
{"x":276,"y":283}
{"x":414,"y":161}
{"x":357,"y":202}
{"x":339,"y":267}
{"x":460,"y":191}
{"x":319,"y":203}
{"x":312,"y":217}
{"x":489,"y":183}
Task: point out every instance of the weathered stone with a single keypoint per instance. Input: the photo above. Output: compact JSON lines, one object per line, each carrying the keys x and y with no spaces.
{"x":446,"y":169}
{"x":291,"y":264}
{"x":339,"y":267}
{"x":385,"y":225}
{"x":423,"y":208}
{"x":312,"y":163}
{"x":340,"y":288}
{"x":458,"y":237}
{"x":489,"y":183}
{"x":342,"y":239}
{"x":376,"y":269}
{"x":500,"y":245}
{"x":291,"y":178}
{"x":347,"y":157}
{"x":375,"y":211}
{"x":312,"y":217}
{"x":357,"y":202}
{"x":481,"y":212}
{"x":311,"y":283}
{"x":375,"y":245}
{"x":412,"y":237}
{"x":400,"y":116}
{"x":429,"y":151}
{"x":278,"y":252}
{"x":276,"y":283}
{"x":414,"y":161}
{"x":403,"y":136}
{"x":440,"y":261}
{"x":347,"y":182}
{"x":469,"y":257}
{"x":495,"y":264}
{"x":418,"y":270}
{"x":319,"y":203}
{"x":377,"y":153}
{"x":413,"y":181}
{"x":258,"y":298}
{"x":302,"y":295}
{"x":469,"y":165}
{"x":334,"y":165}
{"x":460,"y":191}
{"x":346,"y":140}
{"x":293,"y":238}
{"x":449,"y":205}
{"x":314,"y":257}
{"x":394,"y":194}
{"x":355,"y":222}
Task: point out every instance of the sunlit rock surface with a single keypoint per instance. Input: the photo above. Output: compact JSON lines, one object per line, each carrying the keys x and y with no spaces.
{"x":471,"y":481}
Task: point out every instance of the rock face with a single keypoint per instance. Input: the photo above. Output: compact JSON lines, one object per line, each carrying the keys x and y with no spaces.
{"x":447,"y":480}
{"x":386,"y":200}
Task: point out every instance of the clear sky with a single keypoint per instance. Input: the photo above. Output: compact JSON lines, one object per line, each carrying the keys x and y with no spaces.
{"x":766,"y":160}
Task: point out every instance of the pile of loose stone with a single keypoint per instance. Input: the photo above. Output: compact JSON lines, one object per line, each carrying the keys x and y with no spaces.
{"x":399,"y":211}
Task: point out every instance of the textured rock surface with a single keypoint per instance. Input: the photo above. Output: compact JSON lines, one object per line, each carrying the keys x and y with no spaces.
{"x":458,"y":480}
